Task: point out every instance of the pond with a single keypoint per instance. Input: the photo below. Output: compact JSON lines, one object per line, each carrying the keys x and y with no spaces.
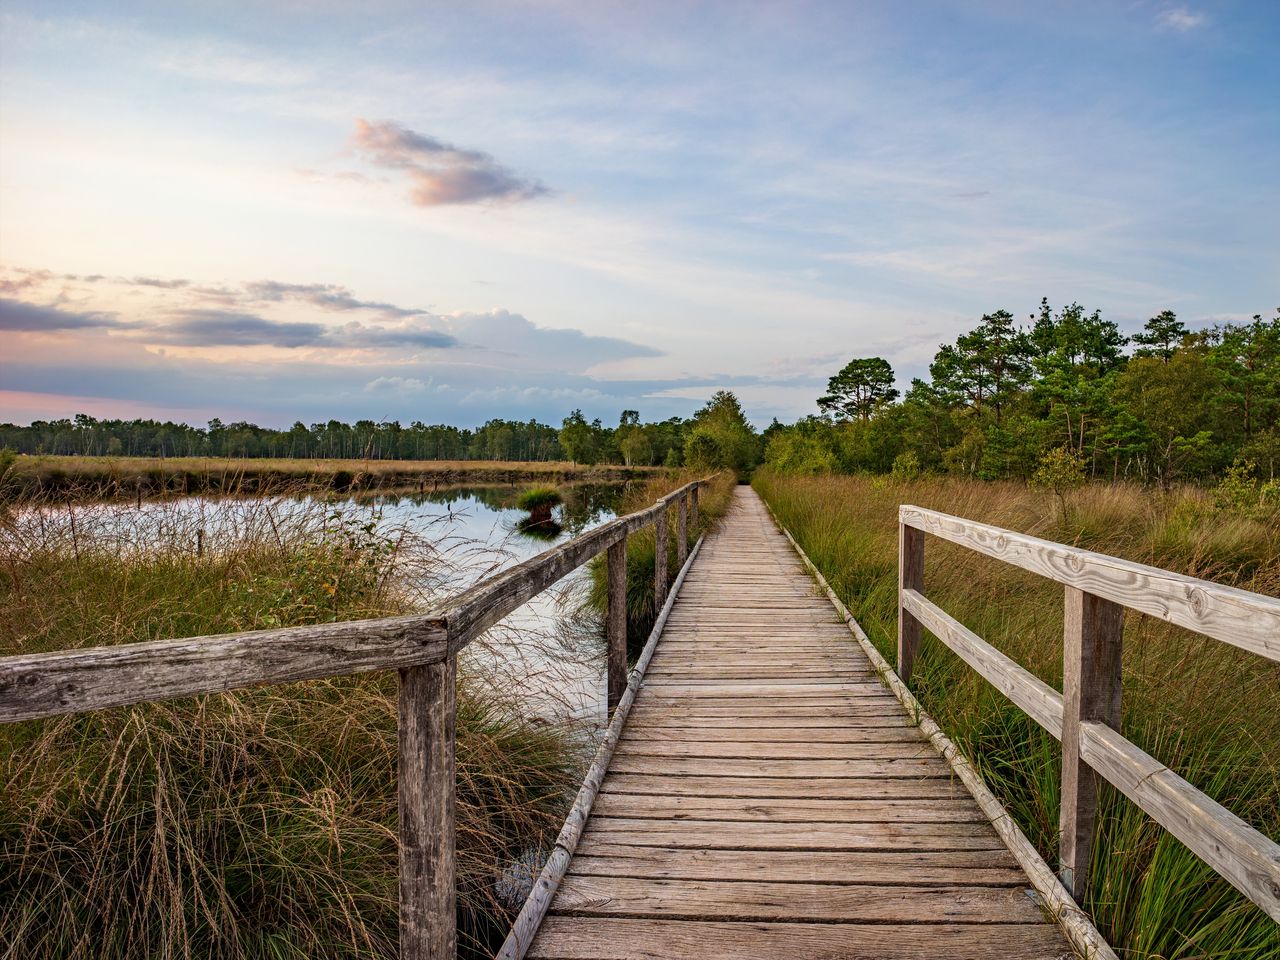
{"x":547,"y":655}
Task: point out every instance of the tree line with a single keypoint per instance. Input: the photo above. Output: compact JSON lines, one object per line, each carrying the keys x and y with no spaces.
{"x":1167,"y":404}
{"x":716,"y":435}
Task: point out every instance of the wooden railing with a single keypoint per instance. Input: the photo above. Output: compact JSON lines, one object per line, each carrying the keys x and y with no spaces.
{"x":1086,"y":715}
{"x":422,"y":647}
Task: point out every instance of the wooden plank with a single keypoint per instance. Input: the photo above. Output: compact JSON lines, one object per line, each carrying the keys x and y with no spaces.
{"x":910,"y":577}
{"x":675,"y":766}
{"x":747,"y":900}
{"x":72,"y":681}
{"x":785,"y":810}
{"x":1091,"y":662}
{"x":900,"y":733}
{"x":906,"y":868}
{"x":693,"y":688}
{"x":616,"y":617}
{"x":730,"y":835}
{"x":818,"y":723}
{"x":1247,"y":620}
{"x":622,"y":938}
{"x":425,"y":785}
{"x":1248,"y":859}
{"x":1036,"y":698}
{"x":762,"y":750}
{"x":796,"y":787}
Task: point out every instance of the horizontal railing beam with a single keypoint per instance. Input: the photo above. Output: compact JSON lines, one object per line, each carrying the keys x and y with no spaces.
{"x":1035,"y":697}
{"x":73,"y":681}
{"x":1245,"y":857}
{"x":1247,"y":620}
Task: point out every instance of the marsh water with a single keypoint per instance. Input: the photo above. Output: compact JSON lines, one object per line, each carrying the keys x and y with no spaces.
{"x":547,"y":655}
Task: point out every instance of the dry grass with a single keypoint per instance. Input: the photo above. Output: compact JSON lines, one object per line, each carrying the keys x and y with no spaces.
{"x":1191,"y":702}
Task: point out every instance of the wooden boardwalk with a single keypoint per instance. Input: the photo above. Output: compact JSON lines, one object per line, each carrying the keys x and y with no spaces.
{"x":769,"y":798}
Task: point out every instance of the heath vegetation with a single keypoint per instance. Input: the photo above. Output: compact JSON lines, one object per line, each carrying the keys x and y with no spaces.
{"x":1189,"y":701}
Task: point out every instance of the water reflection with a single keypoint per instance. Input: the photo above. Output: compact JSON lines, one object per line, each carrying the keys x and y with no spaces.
{"x":547,"y":653}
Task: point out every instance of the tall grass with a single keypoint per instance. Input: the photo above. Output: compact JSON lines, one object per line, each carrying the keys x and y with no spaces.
{"x":255,"y":824}
{"x":1205,"y":708}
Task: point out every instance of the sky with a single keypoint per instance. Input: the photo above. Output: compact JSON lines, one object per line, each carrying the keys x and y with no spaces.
{"x":449,"y":212}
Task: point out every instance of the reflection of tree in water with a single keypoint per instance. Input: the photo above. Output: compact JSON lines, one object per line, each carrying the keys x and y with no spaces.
{"x":584,"y":503}
{"x":537,"y":529}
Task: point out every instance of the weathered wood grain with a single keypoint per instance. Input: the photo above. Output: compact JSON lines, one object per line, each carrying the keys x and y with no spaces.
{"x":1247,"y":858}
{"x":616,"y":618}
{"x":1036,"y":698}
{"x":425,"y":784}
{"x":1093,"y":638}
{"x":730,"y":835}
{"x":682,"y":529}
{"x":808,"y":788}
{"x":907,"y":868}
{"x":621,"y":938}
{"x":748,"y":900}
{"x":785,"y":810}
{"x":1247,"y":620}
{"x":910,"y":577}
{"x":660,"y":558}
{"x":46,"y":684}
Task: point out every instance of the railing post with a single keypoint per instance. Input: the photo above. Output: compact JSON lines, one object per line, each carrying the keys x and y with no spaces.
{"x":426,"y":781}
{"x":910,"y":577}
{"x":660,"y":559}
{"x":682,"y":529}
{"x":1091,"y":684}
{"x":617,"y":622}
{"x":694,"y":517}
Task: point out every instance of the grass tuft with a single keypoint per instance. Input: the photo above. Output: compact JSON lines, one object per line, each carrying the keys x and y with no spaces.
{"x":255,"y":824}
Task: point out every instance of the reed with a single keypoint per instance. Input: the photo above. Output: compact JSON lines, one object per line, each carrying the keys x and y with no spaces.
{"x":254,"y":824}
{"x":1192,"y":702}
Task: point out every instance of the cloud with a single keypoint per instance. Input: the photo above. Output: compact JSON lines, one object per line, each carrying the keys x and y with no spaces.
{"x":324,"y":295}
{"x":228,"y":328}
{"x":159,"y":283}
{"x":19,"y":315}
{"x":1181,"y":19}
{"x":440,"y":173}
{"x":211,"y":327}
{"x":511,"y":334}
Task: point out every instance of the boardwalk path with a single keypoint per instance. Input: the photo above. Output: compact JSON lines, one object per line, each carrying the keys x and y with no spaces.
{"x":769,"y":798}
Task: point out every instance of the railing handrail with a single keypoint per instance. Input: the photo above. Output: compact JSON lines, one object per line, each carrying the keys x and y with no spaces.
{"x":422,"y":647}
{"x":1086,"y":715}
{"x":1247,"y":620}
{"x":78,"y":680}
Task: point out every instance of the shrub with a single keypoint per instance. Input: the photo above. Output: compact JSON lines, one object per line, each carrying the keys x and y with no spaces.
{"x":906,"y":466}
